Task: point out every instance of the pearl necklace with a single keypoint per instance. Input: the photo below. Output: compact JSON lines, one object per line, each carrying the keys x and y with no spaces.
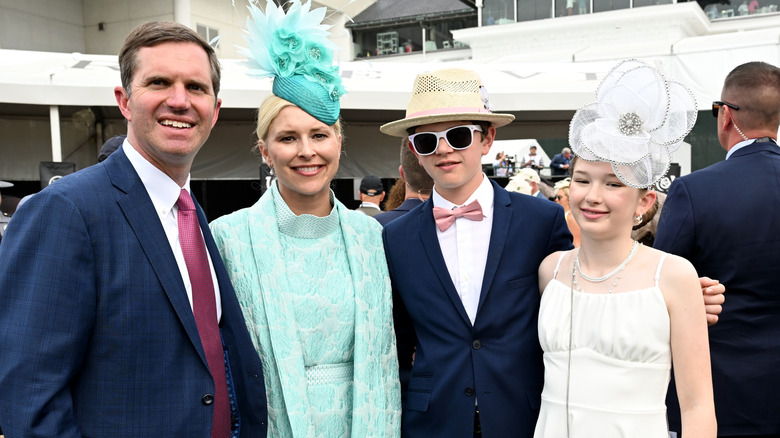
{"x":574,"y":269}
{"x":603,"y":278}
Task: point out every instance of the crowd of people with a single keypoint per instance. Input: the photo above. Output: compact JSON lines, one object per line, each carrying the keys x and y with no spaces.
{"x":466,"y":310}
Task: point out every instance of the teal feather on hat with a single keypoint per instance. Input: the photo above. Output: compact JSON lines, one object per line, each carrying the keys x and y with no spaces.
{"x":291,"y":47}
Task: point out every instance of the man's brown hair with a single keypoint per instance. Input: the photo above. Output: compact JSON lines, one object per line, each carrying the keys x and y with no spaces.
{"x":415,"y":175}
{"x":153,"y":33}
{"x":755,"y":88}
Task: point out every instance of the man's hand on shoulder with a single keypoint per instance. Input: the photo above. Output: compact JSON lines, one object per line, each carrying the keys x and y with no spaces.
{"x":714,"y":298}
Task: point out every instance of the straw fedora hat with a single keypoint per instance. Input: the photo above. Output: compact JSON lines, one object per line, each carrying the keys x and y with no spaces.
{"x":445,"y":96}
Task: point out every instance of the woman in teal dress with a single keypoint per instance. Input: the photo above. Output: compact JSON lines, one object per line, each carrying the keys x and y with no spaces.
{"x":311,"y":275}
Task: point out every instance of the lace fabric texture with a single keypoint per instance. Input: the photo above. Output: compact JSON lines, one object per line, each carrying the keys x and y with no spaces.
{"x":316,"y":298}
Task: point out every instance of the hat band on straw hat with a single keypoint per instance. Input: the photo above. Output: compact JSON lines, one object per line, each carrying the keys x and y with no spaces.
{"x":437,"y":111}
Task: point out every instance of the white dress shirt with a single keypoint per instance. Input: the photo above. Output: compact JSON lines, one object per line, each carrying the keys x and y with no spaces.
{"x":537,"y":160}
{"x":369,"y":205}
{"x":739,"y":146}
{"x":164,"y":193}
{"x":465,"y":244}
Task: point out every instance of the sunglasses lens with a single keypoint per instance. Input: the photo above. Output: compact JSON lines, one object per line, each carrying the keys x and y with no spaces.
{"x":459,"y":138}
{"x":425,"y":143}
{"x":715,"y":108}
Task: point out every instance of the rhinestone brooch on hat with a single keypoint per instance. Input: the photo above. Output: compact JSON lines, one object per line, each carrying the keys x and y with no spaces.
{"x":629,"y":124}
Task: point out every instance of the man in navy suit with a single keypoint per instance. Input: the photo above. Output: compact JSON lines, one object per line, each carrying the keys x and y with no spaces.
{"x":467,"y":294}
{"x":724,"y":220}
{"x":417,"y":185}
{"x":98,"y":335}
{"x":560,"y":163}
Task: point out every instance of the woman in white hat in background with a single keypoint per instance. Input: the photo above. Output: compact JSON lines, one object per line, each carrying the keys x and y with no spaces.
{"x":562,"y":197}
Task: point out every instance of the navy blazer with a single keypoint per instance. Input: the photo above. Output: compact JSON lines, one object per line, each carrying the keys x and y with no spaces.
{"x":96,"y":331}
{"x":556,"y":163}
{"x":498,"y":360}
{"x":405,"y":207}
{"x":724,"y":220}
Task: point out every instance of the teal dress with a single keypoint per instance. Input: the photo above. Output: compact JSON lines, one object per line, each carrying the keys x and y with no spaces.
{"x":316,"y":297}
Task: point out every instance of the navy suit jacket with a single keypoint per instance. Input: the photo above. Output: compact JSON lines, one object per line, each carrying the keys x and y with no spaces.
{"x":97,"y":334}
{"x":405,"y":207}
{"x":556,"y":163}
{"x":724,"y":220}
{"x":497,"y":361}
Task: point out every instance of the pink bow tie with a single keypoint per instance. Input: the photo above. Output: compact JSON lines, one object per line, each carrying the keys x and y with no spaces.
{"x":445,"y":218}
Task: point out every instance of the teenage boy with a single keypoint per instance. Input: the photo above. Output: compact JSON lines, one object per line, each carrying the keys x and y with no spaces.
{"x":464,"y":270}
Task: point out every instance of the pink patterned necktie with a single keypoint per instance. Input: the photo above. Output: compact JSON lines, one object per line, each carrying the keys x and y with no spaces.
{"x":445,"y":217}
{"x":204,"y":308}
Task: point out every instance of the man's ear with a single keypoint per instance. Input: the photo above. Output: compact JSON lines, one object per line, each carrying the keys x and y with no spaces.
{"x":727,"y":118}
{"x":487,"y":139}
{"x":122,"y":100}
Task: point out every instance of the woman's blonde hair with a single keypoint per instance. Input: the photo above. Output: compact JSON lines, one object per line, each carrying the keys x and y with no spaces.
{"x":268,"y":111}
{"x":563,"y":185}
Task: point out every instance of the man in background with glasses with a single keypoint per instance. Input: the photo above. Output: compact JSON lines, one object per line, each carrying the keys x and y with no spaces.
{"x":724,"y":220}
{"x":464,"y":270}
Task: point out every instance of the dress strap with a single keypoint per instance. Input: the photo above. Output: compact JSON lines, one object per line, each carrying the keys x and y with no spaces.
{"x":658,"y":271}
{"x":555,"y":272}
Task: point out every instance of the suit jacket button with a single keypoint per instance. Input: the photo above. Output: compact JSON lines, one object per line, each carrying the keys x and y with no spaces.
{"x":469,"y":391}
{"x":207,"y":399}
{"x":476,"y":344}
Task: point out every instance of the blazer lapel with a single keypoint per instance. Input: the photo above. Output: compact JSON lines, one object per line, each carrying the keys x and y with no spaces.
{"x":285,"y":344}
{"x":502,"y":220}
{"x":139,"y":211}
{"x":430,"y":242}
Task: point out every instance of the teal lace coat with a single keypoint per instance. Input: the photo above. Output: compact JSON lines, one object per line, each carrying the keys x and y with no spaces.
{"x":329,"y":356}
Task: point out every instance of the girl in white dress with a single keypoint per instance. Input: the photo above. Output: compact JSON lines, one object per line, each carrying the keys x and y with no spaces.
{"x":616,"y":315}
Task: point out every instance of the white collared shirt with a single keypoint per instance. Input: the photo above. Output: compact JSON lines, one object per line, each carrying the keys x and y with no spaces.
{"x":739,"y":146}
{"x":465,"y":245}
{"x":164,"y":193}
{"x":369,"y":205}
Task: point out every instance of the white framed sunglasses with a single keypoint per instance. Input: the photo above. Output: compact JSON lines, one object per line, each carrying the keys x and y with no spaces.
{"x":458,"y":137}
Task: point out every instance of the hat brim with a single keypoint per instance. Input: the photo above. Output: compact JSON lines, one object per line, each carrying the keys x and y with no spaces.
{"x":399,"y":127}
{"x":5,"y":184}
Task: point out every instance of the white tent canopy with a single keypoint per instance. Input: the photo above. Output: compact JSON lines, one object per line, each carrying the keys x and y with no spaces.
{"x":576,"y":51}
{"x":46,"y":78}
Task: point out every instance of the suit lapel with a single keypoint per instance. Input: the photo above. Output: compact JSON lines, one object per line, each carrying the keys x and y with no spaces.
{"x":139,"y":211}
{"x":502,"y":220}
{"x":430,"y":242}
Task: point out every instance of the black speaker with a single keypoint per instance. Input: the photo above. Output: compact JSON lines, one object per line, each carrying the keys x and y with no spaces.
{"x":51,"y":171}
{"x":265,"y":178}
{"x":665,"y":182}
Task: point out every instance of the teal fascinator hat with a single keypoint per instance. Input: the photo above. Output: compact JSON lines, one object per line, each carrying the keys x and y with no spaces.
{"x":294,"y":48}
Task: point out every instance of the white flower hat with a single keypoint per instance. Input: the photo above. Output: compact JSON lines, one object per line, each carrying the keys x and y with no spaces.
{"x":638,"y":119}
